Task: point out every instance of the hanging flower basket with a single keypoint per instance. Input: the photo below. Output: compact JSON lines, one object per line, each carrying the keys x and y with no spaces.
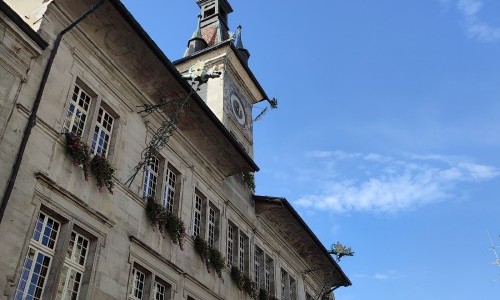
{"x":78,"y":151}
{"x":243,"y":282}
{"x":201,"y":247}
{"x":164,"y":221}
{"x":156,"y":214}
{"x":263,"y":294}
{"x":216,"y":261}
{"x":176,"y":229}
{"x":212,"y":257}
{"x":103,"y":172}
{"x":237,"y":277}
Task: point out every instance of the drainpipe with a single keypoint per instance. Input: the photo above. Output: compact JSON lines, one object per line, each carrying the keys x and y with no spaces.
{"x":32,"y":118}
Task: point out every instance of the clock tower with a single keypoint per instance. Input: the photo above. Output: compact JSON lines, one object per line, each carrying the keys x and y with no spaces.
{"x":232,"y":95}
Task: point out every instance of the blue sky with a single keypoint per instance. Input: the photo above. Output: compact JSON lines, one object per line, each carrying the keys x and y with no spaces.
{"x":387,"y":135}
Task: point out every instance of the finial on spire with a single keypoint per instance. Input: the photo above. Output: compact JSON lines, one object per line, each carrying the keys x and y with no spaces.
{"x":238,"y":43}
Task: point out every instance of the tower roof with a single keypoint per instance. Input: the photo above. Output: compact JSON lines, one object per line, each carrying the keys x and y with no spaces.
{"x":212,"y":25}
{"x":196,"y":43}
{"x":238,"y":43}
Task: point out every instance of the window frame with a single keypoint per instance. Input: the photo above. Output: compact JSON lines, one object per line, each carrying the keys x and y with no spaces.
{"x":146,"y":275}
{"x":152,"y":278}
{"x":67,"y":226}
{"x":36,"y":249}
{"x":198,"y":215}
{"x":102,"y":131}
{"x":92,"y":114}
{"x":71,"y":265}
{"x":232,"y":241}
{"x":244,"y":253}
{"x":205,"y":220}
{"x":269,"y":283}
{"x":170,"y":198}
{"x":161,"y":176}
{"x":258,"y":267}
{"x":151,"y":170}
{"x":284,"y":285}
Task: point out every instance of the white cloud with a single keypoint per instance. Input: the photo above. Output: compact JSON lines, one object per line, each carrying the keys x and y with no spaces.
{"x":389,"y":275}
{"x":388,"y":184}
{"x":475,"y":27}
{"x":392,"y":274}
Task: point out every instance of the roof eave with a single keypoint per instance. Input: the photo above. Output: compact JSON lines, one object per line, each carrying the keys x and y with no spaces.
{"x":14,"y":17}
{"x":187,"y":87}
{"x":288,"y":206}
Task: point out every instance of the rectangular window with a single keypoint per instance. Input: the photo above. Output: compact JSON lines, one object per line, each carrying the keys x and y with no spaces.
{"x":145,"y":284}
{"x":76,"y":258}
{"x":169,"y":190}
{"x":211,"y":227}
{"x":102,"y":133}
{"x":230,"y":244}
{"x":293,"y":288}
{"x":258,"y":267}
{"x":284,"y":285}
{"x":243,"y":254}
{"x":38,"y":259}
{"x":197,"y":213}
{"x":269,"y":275}
{"x":151,"y":177}
{"x":74,"y":267}
{"x":78,"y":111}
{"x":137,"y":285}
{"x":160,"y":291}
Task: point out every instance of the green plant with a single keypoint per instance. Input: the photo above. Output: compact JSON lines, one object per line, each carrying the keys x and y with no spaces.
{"x":103,"y":172}
{"x":165,"y":221}
{"x":209,"y":255}
{"x":249,"y":180}
{"x":156,"y":213}
{"x":249,"y":286}
{"x":243,"y":282}
{"x":216,"y":261}
{"x":176,"y":229}
{"x":263,"y":294}
{"x":201,"y":247}
{"x":78,"y":151}
{"x":236,"y":275}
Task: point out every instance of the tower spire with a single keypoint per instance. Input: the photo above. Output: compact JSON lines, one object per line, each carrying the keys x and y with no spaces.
{"x":238,"y":42}
{"x":213,"y":22}
{"x":196,"y":43}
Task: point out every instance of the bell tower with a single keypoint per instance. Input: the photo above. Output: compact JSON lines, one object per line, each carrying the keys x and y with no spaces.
{"x":233,"y":92}
{"x":213,"y":23}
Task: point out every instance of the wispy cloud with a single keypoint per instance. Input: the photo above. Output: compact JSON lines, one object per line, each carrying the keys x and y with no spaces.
{"x":389,"y":275}
{"x":374,"y":182}
{"x":475,"y":27}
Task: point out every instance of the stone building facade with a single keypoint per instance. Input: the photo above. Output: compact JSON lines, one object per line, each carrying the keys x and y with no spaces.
{"x":63,"y":237}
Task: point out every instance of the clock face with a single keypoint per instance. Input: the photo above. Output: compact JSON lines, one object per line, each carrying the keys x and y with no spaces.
{"x":238,"y":109}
